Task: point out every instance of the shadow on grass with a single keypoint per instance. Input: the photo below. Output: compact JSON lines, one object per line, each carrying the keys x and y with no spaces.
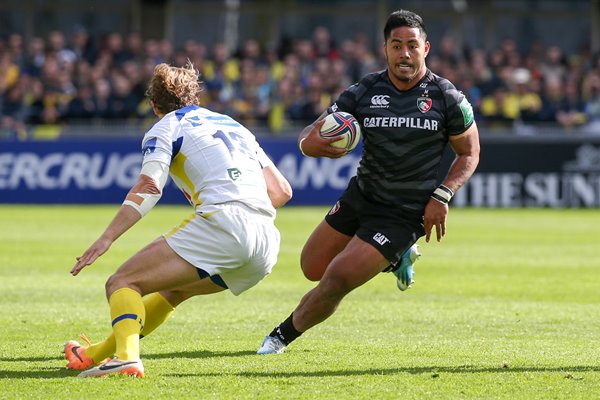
{"x":434,"y":371}
{"x":41,"y":373}
{"x":54,"y":373}
{"x":198,"y":354}
{"x":27,"y":359}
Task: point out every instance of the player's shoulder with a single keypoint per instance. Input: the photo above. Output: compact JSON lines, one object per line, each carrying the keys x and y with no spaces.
{"x":360,"y":88}
{"x":444,"y":85}
{"x":373,"y":77}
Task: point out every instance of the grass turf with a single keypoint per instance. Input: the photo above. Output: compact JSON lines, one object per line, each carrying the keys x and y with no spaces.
{"x":507,"y":306}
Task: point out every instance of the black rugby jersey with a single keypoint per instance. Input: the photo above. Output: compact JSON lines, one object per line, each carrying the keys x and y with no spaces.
{"x":404,"y":135}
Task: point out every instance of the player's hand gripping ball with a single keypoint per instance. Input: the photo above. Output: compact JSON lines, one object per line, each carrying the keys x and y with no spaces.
{"x":343,"y":125}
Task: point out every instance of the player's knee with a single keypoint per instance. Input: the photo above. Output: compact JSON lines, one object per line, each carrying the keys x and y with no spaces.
{"x":111,"y":285}
{"x":312,"y":274}
{"x":116,"y":282}
{"x":312,"y":270}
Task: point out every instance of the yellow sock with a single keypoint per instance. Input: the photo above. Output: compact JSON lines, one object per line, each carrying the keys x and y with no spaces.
{"x":127,"y":313}
{"x":158,"y":310}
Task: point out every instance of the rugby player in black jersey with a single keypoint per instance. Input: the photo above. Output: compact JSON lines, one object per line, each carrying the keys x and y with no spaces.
{"x":407,"y":114}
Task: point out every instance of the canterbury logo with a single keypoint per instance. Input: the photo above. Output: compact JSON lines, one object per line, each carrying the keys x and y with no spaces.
{"x":380,"y":101}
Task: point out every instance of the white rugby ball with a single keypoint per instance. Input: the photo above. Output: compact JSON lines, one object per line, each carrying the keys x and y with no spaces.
{"x":343,"y":125}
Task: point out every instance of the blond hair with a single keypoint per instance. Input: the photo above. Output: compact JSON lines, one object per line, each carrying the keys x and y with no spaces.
{"x":172,"y":88}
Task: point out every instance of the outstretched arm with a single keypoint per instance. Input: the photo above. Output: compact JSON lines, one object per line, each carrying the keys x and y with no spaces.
{"x":139,"y":201}
{"x":466,"y":147}
{"x":278,"y":188}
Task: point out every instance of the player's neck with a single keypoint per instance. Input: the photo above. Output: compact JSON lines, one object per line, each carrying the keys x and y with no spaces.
{"x":404,"y":85}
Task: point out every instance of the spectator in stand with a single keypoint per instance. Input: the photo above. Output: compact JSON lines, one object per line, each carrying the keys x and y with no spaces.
{"x":101,"y":97}
{"x":83,"y":45}
{"x":166,"y":51}
{"x":13,"y":113}
{"x":316,"y":100}
{"x":57,"y":49}
{"x":553,"y":98}
{"x":554,"y":66}
{"x":447,"y":53}
{"x":500,"y":109}
{"x":134,"y":47}
{"x":16,"y":49}
{"x":251,"y":51}
{"x":82,"y":106}
{"x":592,"y":106}
{"x":35,"y":57}
{"x":114,"y":45}
{"x":529,"y":102}
{"x":122,"y":102}
{"x":348,"y":54}
{"x":34,"y":99}
{"x":152,"y":51}
{"x":571,"y":110}
{"x":370,"y":61}
{"x":303,"y":49}
{"x":323,"y":44}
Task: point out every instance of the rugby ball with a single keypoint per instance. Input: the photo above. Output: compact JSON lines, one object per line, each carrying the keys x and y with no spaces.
{"x":344,"y":126}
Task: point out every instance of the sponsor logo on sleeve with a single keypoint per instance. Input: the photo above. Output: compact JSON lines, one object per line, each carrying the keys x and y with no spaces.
{"x":149,"y":146}
{"x":467,"y":111}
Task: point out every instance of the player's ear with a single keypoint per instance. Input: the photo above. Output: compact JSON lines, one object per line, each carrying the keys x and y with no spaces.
{"x":427,"y":47}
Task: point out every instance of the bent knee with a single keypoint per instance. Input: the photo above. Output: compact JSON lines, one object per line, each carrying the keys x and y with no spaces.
{"x":116,"y":282}
{"x":312,"y":272}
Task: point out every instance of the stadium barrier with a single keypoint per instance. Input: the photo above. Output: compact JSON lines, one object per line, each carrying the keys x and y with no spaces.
{"x":513,"y":172}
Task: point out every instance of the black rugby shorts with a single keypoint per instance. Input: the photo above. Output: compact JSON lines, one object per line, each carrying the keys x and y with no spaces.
{"x":391,"y":230}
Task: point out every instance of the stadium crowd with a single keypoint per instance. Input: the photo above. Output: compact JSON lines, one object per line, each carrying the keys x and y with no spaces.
{"x":81,"y":78}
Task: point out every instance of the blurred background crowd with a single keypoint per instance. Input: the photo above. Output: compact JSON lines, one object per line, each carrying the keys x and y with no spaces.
{"x":73,"y":76}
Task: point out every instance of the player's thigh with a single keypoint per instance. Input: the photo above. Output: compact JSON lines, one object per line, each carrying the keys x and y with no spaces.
{"x":154,"y":268}
{"x":358,"y":263}
{"x":321,"y":247}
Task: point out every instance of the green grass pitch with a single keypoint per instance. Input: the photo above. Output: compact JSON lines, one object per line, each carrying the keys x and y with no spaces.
{"x":507,"y":306}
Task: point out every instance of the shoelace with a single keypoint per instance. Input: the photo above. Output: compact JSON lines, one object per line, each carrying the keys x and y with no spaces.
{"x":85,"y":339}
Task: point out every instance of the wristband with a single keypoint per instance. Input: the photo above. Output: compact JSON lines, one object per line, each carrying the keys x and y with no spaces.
{"x":443,"y":194}
{"x":300,"y":146}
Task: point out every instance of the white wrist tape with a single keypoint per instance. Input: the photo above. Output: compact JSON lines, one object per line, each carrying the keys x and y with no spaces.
{"x":158,"y":172}
{"x":300,"y":146}
{"x":442,"y":194}
{"x":149,"y":201}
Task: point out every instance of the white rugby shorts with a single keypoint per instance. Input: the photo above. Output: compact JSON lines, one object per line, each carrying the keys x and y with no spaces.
{"x":231,"y":240}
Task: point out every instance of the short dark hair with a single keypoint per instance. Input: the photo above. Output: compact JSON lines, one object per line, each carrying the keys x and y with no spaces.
{"x":403,"y":18}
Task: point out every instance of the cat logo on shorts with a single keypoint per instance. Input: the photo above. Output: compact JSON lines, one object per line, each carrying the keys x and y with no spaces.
{"x":335,"y":208}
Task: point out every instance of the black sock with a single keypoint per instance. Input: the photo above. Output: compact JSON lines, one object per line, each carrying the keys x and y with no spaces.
{"x":286,"y":331}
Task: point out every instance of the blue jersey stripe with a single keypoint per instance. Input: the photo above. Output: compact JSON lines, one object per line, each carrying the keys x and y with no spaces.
{"x":182,"y":111}
{"x":176,"y":147}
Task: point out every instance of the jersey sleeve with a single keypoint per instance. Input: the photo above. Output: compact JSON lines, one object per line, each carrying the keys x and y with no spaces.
{"x":263,"y":158}
{"x":157,"y":144}
{"x":459,"y":111}
{"x":346,"y":101}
